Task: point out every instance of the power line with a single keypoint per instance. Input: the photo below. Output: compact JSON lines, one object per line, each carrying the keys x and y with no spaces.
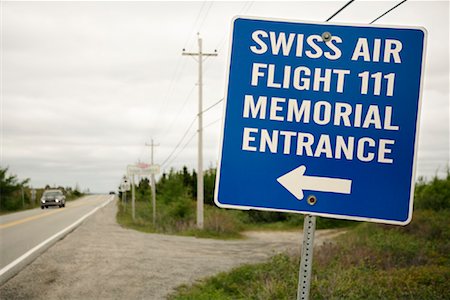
{"x":178,"y":69}
{"x":179,"y":112}
{"x":193,"y":25}
{"x":245,"y":8}
{"x":388,"y":11}
{"x":206,"y":15}
{"x":212,"y":123}
{"x":182,"y":107}
{"x":190,"y":139}
{"x":205,"y":110}
{"x":166,"y":161}
{"x":182,"y":149}
{"x":341,"y":9}
{"x":179,"y":142}
{"x":142,"y":153}
{"x":174,"y":77}
{"x":216,"y":103}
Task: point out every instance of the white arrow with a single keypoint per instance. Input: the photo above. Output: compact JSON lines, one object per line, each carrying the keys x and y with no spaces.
{"x":295,"y":182}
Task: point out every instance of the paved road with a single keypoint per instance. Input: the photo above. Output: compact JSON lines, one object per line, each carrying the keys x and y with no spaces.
{"x":22,"y":231}
{"x":102,"y":260}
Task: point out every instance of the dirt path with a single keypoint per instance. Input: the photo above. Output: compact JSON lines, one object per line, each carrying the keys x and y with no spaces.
{"x":101,"y":260}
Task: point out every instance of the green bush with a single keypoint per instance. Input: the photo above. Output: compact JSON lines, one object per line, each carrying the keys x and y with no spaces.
{"x":256,"y":216}
{"x":224,"y":222}
{"x":179,"y":217}
{"x":370,"y":261}
{"x":328,"y":223}
{"x":11,"y":190}
{"x":417,"y":282}
{"x":434,"y":195}
{"x":270,"y":280}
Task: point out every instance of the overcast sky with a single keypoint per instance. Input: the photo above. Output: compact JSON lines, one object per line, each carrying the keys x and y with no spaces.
{"x":86,"y":84}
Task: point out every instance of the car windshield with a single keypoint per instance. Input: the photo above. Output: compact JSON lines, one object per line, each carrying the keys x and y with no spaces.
{"x":52,"y":194}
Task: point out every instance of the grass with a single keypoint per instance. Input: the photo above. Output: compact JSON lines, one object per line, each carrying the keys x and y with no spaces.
{"x":173,"y":219}
{"x":180,"y":218}
{"x":369,"y":262}
{"x":261,"y":281}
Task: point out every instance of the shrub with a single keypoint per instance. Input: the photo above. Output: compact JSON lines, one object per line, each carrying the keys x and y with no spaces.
{"x":271,"y":280}
{"x":256,"y":216}
{"x":434,"y":195}
{"x":417,"y":282}
{"x":11,"y":191}
{"x":369,"y":262}
{"x":222,"y":221}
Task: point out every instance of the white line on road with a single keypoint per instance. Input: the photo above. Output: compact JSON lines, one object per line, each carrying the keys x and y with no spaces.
{"x":49,"y":240}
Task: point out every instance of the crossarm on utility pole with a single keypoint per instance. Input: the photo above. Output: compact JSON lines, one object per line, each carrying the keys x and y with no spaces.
{"x":196,"y":54}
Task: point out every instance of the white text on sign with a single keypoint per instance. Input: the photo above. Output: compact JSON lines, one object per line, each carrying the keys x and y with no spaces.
{"x":322,"y":112}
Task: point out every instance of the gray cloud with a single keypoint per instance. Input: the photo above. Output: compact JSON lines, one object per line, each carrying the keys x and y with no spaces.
{"x":86,"y":84}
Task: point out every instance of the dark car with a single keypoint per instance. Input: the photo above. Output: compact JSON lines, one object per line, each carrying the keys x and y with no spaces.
{"x":53,"y":198}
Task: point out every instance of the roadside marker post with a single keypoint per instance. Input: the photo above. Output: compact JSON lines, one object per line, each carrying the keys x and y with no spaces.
{"x":319,"y":118}
{"x":124,"y":187}
{"x":142,"y":169}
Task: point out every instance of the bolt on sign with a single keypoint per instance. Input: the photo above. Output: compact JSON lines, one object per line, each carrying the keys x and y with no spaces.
{"x":324,"y":112}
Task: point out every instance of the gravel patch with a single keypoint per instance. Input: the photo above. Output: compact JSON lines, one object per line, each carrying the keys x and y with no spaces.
{"x":102,"y":260}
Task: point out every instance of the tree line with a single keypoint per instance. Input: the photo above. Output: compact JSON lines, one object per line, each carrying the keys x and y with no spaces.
{"x":16,"y":194}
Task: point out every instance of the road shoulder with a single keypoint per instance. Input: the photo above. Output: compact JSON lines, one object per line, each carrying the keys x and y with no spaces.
{"x":102,"y":260}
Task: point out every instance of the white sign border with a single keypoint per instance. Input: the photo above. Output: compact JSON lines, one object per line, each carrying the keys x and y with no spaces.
{"x":334,"y":216}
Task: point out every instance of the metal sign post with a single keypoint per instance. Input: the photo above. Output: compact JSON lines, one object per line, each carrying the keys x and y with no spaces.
{"x":304,"y":276}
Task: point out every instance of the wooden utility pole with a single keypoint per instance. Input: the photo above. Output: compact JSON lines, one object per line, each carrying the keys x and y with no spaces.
{"x":152,"y":145}
{"x":200,"y":56}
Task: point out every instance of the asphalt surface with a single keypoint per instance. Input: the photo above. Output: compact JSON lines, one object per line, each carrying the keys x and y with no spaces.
{"x":20,"y":232}
{"x":102,"y":260}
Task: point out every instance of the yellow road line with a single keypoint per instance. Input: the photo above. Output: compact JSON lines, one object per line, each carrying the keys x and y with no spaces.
{"x":28,"y":219}
{"x":75,"y":205}
{"x":17,"y":222}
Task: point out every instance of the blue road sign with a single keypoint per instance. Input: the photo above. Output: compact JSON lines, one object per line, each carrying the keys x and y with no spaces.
{"x":321,"y":119}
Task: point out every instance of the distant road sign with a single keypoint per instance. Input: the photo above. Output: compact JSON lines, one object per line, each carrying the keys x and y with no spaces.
{"x":125,"y":185}
{"x":143,"y":169}
{"x":155,"y":169}
{"x":321,"y":112}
